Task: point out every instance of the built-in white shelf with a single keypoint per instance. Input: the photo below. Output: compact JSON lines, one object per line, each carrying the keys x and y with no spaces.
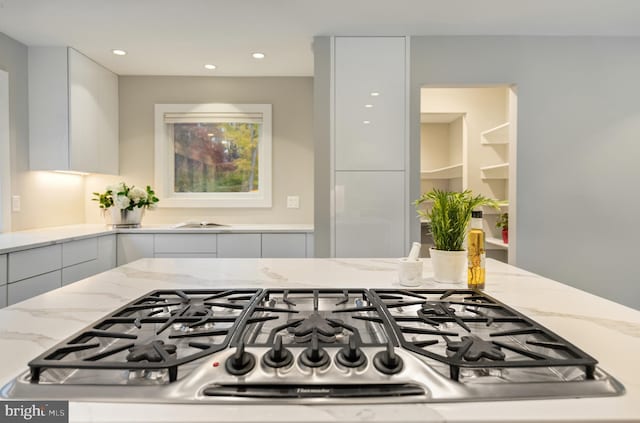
{"x":447,"y":172}
{"x":497,"y":135}
{"x":499,"y":171}
{"x":496,"y":242}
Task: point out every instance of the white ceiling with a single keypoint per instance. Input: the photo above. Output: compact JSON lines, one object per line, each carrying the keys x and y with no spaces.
{"x":177,"y":37}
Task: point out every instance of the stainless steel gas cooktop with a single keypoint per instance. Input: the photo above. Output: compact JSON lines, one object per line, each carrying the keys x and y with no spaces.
{"x":313,"y":346}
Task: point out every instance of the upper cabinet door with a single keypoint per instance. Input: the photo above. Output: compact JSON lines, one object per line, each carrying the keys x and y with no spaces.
{"x":73,"y":112}
{"x":83,"y":113}
{"x":93,"y":105}
{"x":370,"y":102}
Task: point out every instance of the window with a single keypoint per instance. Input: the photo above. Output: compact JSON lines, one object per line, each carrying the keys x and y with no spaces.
{"x":213,"y":155}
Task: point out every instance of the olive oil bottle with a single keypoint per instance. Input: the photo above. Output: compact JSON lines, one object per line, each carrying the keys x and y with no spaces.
{"x":476,"y":253}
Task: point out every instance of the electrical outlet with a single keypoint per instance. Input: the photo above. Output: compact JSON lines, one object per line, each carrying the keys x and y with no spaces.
{"x":293,"y":202}
{"x":15,"y":203}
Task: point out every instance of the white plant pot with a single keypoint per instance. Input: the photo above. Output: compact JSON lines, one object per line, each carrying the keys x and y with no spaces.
{"x":449,"y":266}
{"x":119,"y":218}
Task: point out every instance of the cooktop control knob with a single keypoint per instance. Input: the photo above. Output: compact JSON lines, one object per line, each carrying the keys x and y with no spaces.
{"x":278,"y":356}
{"x":241,"y":362}
{"x":314,"y":356}
{"x":351,"y":355}
{"x":387,"y":361}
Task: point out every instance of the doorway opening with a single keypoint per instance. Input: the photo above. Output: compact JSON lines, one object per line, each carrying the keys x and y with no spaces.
{"x":468,"y":141}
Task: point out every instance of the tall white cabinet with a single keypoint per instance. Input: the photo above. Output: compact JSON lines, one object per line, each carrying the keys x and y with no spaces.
{"x":369,"y":161}
{"x":73,"y":112}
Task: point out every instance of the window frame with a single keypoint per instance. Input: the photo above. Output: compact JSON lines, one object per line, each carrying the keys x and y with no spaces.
{"x":164,"y":166}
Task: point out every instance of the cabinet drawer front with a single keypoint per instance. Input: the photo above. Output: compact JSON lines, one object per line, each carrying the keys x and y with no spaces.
{"x":31,"y":287}
{"x":3,"y":269}
{"x":239,"y":245}
{"x":75,"y":252}
{"x":28,"y":263}
{"x":284,"y":245}
{"x":187,"y":243}
{"x":80,"y":271}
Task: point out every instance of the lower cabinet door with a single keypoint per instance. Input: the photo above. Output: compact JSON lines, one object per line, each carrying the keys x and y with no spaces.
{"x":27,"y":288}
{"x":370,"y":209}
{"x":284,"y":245}
{"x":133,"y":247}
{"x":239,"y":245}
{"x":76,"y":272}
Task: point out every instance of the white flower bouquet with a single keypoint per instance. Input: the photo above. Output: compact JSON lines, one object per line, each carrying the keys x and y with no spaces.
{"x":124,"y":197}
{"x":124,"y":206}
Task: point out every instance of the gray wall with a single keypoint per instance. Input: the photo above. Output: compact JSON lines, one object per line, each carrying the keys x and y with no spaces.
{"x":48,"y":199}
{"x":292,"y":141}
{"x":578,"y":148}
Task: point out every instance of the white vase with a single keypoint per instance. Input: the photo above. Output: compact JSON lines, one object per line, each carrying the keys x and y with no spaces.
{"x":123,"y":218}
{"x":449,"y":266}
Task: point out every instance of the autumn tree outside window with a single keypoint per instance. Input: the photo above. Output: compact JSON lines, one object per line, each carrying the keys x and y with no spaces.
{"x":213,"y":155}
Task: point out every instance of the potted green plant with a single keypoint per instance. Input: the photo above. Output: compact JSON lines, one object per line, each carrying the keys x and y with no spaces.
{"x":124,"y":206}
{"x":503,"y":224}
{"x":449,"y":216}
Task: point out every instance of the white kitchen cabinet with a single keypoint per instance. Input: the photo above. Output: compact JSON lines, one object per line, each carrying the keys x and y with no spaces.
{"x":284,"y":246}
{"x":370,"y":214}
{"x":74,"y":252}
{"x":79,"y":271}
{"x":369,"y":128}
{"x":36,"y":261}
{"x":132,"y":247}
{"x":368,"y":164}
{"x":30,"y":287}
{"x":3,"y":269}
{"x":239,"y":245}
{"x":73,"y":112}
{"x":185,"y":243}
{"x":106,"y":253}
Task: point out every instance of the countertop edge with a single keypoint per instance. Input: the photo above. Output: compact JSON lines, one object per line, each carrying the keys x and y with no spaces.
{"x":35,"y":238}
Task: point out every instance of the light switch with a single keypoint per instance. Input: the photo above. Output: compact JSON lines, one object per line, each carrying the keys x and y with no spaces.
{"x":293,"y":202}
{"x":15,"y":203}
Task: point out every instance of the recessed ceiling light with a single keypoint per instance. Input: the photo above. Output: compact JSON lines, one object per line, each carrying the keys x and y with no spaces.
{"x":210,"y":67}
{"x":368,"y":106}
{"x":258,"y":55}
{"x":375,"y":94}
{"x":119,"y":52}
{"x":366,"y":122}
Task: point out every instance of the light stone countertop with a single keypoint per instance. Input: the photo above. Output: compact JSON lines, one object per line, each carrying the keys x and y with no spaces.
{"x":21,"y":240}
{"x":608,"y":331}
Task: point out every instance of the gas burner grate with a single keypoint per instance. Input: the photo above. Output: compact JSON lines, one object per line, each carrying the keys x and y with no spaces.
{"x":302,"y":317}
{"x":467,"y":329}
{"x":158,"y":331}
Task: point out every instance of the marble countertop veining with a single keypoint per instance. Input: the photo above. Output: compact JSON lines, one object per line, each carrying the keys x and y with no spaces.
{"x":608,"y":331}
{"x":21,"y":240}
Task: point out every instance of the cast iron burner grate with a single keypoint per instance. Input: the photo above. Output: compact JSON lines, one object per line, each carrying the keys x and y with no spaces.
{"x":140,"y":328}
{"x":307,"y":316}
{"x":436,"y":316}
